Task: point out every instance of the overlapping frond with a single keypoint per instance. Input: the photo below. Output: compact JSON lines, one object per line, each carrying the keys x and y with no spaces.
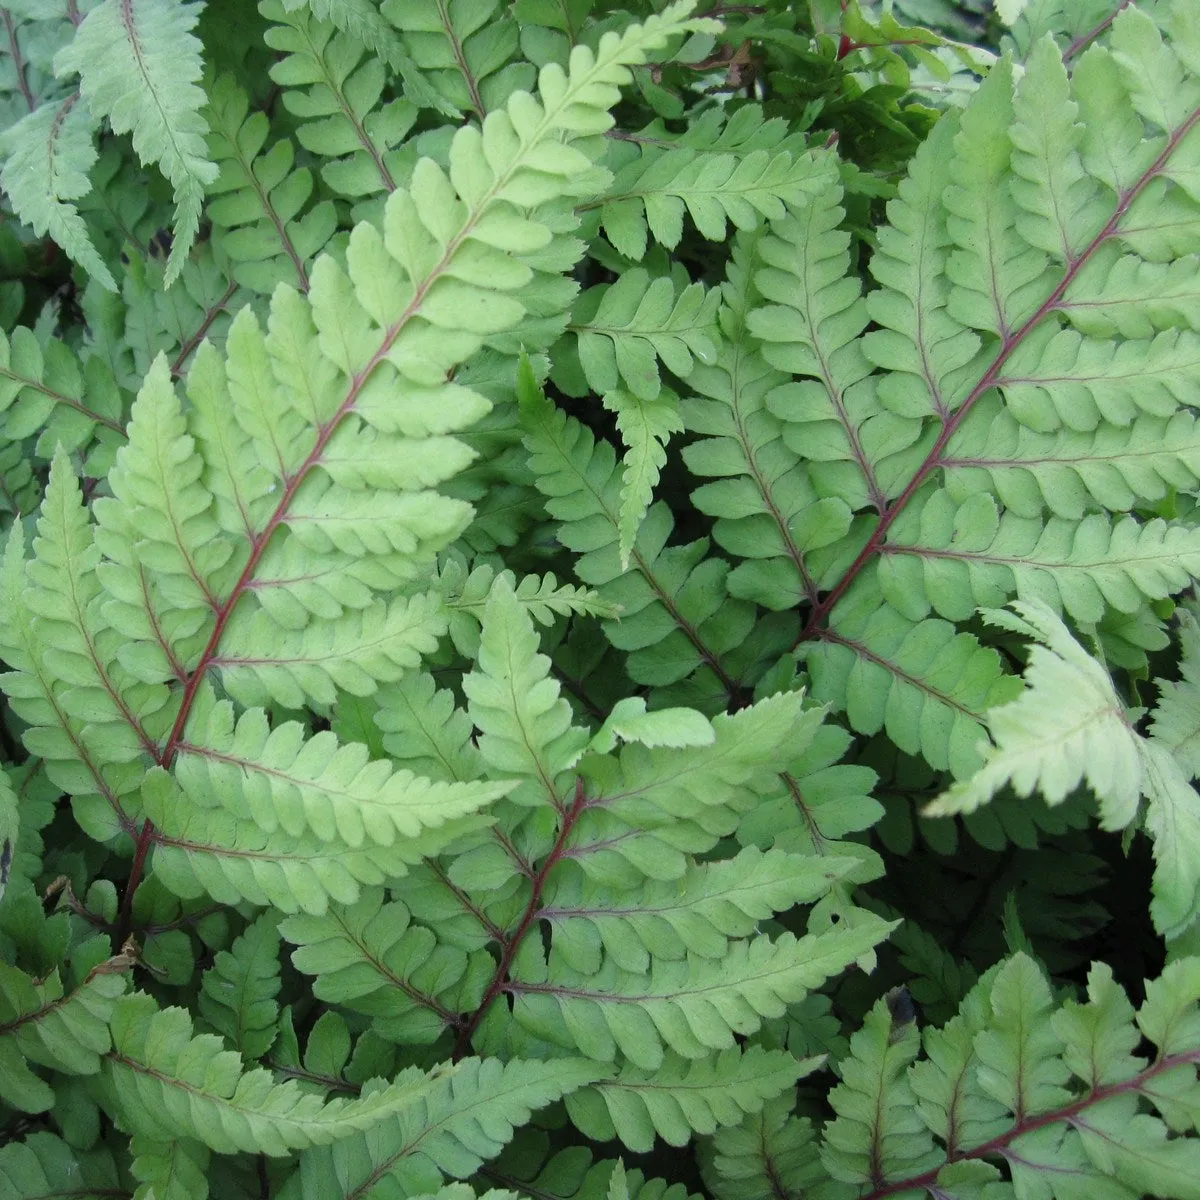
{"x":467,"y":49}
{"x":138,"y":64}
{"x":237,"y":993}
{"x":176,"y":1084}
{"x":739,"y":171}
{"x":692,"y":1007}
{"x":260,"y":200}
{"x":684,"y":1097}
{"x":1053,"y":1089}
{"x":334,"y":86}
{"x":449,"y":1129}
{"x":1043,"y":744}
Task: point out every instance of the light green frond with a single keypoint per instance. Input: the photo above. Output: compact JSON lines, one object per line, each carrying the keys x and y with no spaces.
{"x":623,"y":330}
{"x":467,"y":49}
{"x":76,"y":761}
{"x":684,"y":1097}
{"x":370,"y":958}
{"x":1122,"y":294}
{"x":525,"y":726}
{"x":467,"y":589}
{"x":926,"y":684}
{"x":259,"y":662}
{"x":739,"y":171}
{"x":283,"y":779}
{"x":173,"y":1084}
{"x":50,"y":1023}
{"x":1044,"y":743}
{"x":80,"y":647}
{"x":451,"y":1128}
{"x":921,"y":345}
{"x":49,"y":153}
{"x":1057,"y":377}
{"x":334,"y":86}
{"x":760,"y":486}
{"x":237,"y":993}
{"x":1081,"y":566}
{"x":139,"y":63}
{"x":364,"y":21}
{"x":425,"y":731}
{"x":209,"y":850}
{"x":810,"y":327}
{"x":260,"y":200}
{"x":695,"y":915}
{"x":645,"y":427}
{"x":998,"y":277}
{"x":1069,"y":472}
{"x":165,"y":564}
{"x":1176,"y":717}
{"x":692,"y":1007}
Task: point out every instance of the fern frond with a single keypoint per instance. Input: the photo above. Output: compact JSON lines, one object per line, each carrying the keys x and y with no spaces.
{"x":364,"y":21}
{"x":525,"y":726}
{"x":335,"y":87}
{"x":49,"y":153}
{"x":691,"y":1007}
{"x":138,"y":64}
{"x":1069,"y":472}
{"x":645,"y":427}
{"x":261,"y":197}
{"x":1081,"y":566}
{"x":926,"y":684}
{"x":451,"y":1127}
{"x":623,"y":329}
{"x":279,"y":778}
{"x":1038,"y":747}
{"x":684,"y":1097}
{"x":674,"y":616}
{"x":175,"y":1170}
{"x":761,"y":490}
{"x":172,"y":1084}
{"x":544,"y":598}
{"x":425,"y":731}
{"x":42,"y":1164}
{"x":237,"y":993}
{"x":210,"y":850}
{"x":772,"y":1151}
{"x":370,"y":958}
{"x":740,"y":171}
{"x":50,"y":1023}
{"x":468,"y":50}
{"x":695,"y":915}
{"x":1047,"y":1088}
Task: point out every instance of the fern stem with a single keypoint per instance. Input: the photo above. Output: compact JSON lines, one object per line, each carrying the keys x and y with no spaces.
{"x":532,"y":913}
{"x":998,"y":1144}
{"x":190,"y":344}
{"x":1011,"y":341}
{"x":460,"y":59}
{"x":1086,"y":39}
{"x":36,"y":385}
{"x":14,"y":51}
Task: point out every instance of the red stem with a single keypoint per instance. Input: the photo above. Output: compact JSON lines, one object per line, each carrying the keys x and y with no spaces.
{"x":512,"y":943}
{"x":1010,"y":342}
{"x":924,"y":1181}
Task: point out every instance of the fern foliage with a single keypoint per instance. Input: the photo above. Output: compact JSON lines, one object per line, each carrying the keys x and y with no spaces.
{"x":596,"y":600}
